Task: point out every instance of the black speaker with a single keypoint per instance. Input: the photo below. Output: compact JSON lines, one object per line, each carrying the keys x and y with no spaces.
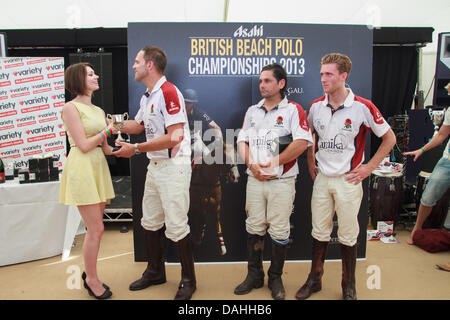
{"x":102,"y":63}
{"x":441,"y":97}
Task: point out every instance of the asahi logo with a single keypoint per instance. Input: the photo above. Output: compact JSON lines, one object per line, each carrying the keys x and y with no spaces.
{"x":11,"y":135}
{"x":30,"y":71}
{"x":7,"y":106}
{"x":48,"y":128}
{"x":34,"y":101}
{"x":242,"y":32}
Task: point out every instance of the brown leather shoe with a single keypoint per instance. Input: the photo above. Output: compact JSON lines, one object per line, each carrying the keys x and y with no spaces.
{"x":348,"y":271}
{"x":188,"y":283}
{"x":156,"y":269}
{"x":314,"y":281}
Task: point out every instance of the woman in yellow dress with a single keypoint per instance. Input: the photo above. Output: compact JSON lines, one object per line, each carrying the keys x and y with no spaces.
{"x":86,"y":180}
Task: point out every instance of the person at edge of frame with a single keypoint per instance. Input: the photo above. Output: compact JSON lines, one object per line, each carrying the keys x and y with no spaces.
{"x":439,"y":180}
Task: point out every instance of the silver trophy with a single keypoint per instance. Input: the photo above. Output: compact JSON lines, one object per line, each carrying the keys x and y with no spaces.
{"x":437,"y":116}
{"x":118,"y":123}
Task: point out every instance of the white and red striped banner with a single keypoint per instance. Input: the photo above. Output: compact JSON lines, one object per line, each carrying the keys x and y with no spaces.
{"x":31,"y":98}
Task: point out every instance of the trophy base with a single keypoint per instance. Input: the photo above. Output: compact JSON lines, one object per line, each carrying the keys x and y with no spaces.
{"x":116,"y":148}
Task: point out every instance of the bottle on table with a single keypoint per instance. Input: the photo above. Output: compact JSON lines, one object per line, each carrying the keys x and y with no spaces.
{"x":9,"y":170}
{"x":2,"y":172}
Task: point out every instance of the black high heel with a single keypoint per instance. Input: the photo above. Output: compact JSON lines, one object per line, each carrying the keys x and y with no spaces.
{"x":105,"y":294}
{"x":83,"y":276}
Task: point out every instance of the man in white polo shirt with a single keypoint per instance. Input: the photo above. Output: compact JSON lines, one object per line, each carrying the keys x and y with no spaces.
{"x":162,"y":115}
{"x":339,"y":123}
{"x":271,"y":175}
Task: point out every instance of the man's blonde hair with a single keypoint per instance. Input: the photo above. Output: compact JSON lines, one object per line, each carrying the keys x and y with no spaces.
{"x":343,"y":62}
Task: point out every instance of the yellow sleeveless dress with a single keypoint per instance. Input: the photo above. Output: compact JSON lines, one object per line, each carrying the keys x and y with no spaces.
{"x":86,"y":178}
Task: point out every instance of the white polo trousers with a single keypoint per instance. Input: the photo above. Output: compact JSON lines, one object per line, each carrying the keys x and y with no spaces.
{"x":166,"y":197}
{"x":332,"y":194}
{"x":269,"y":205}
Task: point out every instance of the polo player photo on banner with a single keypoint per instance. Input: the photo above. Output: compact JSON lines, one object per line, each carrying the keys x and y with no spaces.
{"x":214,"y":163}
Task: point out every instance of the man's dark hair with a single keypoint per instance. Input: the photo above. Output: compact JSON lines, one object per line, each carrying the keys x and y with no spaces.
{"x":279,"y":73}
{"x":157,"y":55}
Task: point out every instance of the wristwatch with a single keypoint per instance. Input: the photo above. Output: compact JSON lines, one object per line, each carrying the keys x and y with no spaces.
{"x":136,"y":149}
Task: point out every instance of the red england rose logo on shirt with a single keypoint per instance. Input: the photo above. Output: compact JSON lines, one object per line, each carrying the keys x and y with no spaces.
{"x":348,"y":124}
{"x":279,"y":120}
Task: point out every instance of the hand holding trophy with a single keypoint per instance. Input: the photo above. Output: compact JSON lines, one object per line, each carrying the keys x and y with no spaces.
{"x":118,"y":123}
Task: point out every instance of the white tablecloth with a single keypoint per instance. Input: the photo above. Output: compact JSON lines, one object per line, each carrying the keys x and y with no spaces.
{"x":33,"y":225}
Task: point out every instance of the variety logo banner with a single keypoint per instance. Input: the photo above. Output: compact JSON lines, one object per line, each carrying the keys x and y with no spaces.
{"x":31,"y":99}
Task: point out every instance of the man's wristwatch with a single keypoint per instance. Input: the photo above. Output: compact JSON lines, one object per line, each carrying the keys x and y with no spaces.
{"x":136,"y":149}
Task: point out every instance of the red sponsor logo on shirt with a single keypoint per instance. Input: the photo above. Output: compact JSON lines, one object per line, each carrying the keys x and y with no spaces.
{"x":173,"y":108}
{"x":378,"y":117}
{"x":171,"y":98}
{"x":305,"y":125}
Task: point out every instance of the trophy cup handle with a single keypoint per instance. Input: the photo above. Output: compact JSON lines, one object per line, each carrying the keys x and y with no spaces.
{"x":126,"y":116}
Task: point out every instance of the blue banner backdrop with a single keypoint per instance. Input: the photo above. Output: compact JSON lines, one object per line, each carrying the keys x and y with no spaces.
{"x":222,"y":62}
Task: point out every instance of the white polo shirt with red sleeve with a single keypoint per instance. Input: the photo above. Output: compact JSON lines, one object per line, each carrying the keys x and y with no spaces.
{"x":159,"y":109}
{"x":262,"y":128}
{"x":341,"y":134}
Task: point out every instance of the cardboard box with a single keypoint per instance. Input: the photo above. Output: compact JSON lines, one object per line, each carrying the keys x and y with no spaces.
{"x":385,"y":227}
